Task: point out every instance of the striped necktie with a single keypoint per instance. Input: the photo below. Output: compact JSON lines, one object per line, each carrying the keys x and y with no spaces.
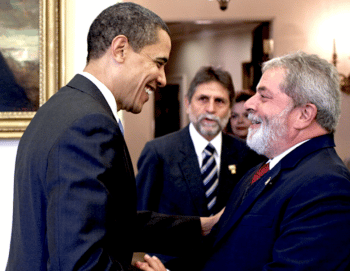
{"x":209,"y":172}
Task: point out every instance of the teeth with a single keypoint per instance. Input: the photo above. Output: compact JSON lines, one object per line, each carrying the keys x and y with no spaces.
{"x":254,"y":119}
{"x":148,"y":91}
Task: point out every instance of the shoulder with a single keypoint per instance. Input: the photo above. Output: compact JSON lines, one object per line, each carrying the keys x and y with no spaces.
{"x":233,"y":141}
{"x":234,"y":144}
{"x":169,"y":141}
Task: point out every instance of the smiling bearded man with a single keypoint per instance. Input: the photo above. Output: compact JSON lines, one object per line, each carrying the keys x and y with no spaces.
{"x":261,"y":139}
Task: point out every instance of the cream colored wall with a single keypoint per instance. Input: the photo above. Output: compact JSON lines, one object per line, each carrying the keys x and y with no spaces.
{"x":308,"y":25}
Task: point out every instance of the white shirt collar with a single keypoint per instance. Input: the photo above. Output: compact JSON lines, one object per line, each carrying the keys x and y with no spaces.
{"x":107,"y":94}
{"x":200,"y":143}
{"x":278,"y":158}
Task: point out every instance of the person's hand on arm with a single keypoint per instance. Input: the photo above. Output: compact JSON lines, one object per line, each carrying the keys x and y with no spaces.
{"x":208,"y":223}
{"x":151,"y":264}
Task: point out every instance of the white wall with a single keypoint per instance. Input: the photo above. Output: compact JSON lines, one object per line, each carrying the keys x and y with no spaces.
{"x":228,"y":51}
{"x":7,"y":164}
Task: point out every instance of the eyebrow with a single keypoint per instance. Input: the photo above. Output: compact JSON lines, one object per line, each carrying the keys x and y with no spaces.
{"x":262,"y":88}
{"x":163,"y":60}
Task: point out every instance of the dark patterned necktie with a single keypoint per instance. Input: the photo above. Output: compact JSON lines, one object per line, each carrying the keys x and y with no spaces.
{"x":209,"y":172}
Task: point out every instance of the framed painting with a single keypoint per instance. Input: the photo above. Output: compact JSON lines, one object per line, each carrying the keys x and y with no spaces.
{"x":31,"y":60}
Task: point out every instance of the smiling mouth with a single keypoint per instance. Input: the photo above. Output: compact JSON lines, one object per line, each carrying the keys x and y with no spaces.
{"x":149,"y":89}
{"x":209,"y":122}
{"x":255,"y":121}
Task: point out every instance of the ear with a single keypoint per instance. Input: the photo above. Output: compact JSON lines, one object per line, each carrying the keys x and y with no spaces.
{"x":119,"y":47}
{"x":305,"y":116}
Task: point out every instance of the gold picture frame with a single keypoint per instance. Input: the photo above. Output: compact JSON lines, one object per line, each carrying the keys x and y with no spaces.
{"x":51,"y":65}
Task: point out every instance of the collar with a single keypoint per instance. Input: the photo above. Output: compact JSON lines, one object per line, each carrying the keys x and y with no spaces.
{"x":107,"y":94}
{"x":279,"y":157}
{"x":200,"y":142}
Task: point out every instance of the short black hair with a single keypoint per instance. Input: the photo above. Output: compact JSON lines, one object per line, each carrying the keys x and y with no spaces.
{"x":137,"y":23}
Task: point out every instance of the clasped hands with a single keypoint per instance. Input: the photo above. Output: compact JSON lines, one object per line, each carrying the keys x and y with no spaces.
{"x":154,"y":264}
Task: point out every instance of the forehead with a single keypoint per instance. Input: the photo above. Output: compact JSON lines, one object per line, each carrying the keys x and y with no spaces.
{"x":270,"y":84}
{"x":239,"y":106}
{"x":271,"y":80}
{"x":212,"y":88}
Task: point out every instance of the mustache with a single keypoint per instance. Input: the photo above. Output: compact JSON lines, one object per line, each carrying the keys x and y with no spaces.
{"x":210,"y":117}
{"x":254,"y":119}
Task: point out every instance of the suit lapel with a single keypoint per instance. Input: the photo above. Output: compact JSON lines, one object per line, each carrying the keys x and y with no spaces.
{"x":238,"y":206}
{"x":226,"y":173}
{"x":188,"y":162}
{"x":85,"y":85}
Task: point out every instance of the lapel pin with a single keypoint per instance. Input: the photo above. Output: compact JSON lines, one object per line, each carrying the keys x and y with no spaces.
{"x":268,"y":180}
{"x":232,"y":168}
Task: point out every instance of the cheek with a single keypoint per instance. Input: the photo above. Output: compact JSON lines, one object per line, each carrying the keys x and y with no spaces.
{"x":233,"y":122}
{"x":247,"y":121}
{"x":197,"y":109}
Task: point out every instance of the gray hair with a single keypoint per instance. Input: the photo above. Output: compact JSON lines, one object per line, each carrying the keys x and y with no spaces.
{"x":209,"y":74}
{"x":310,"y":79}
{"x":138,"y":24}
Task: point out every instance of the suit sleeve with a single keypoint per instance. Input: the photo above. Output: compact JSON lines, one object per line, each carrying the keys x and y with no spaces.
{"x":90,"y":211}
{"x":149,"y":180}
{"x":168,"y":234}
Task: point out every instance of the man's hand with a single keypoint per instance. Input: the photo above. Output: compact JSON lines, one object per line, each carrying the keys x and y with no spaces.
{"x":151,"y":264}
{"x":209,"y":222}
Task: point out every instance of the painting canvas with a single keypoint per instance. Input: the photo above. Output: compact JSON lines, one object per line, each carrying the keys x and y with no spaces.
{"x":19,"y":55}
{"x":31,"y":59}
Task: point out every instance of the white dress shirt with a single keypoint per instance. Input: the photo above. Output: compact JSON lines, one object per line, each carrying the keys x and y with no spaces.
{"x":278,"y":158}
{"x":200,"y":143}
{"x":107,"y":94}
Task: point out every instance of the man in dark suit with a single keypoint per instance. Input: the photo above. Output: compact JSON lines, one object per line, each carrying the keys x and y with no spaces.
{"x":75,"y":192}
{"x":169,"y":176}
{"x":297,"y":215}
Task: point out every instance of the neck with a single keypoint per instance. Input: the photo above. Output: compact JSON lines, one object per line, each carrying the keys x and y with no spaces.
{"x":292,"y":141}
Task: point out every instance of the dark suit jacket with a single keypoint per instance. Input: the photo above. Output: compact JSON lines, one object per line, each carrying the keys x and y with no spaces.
{"x":169,"y":179}
{"x":75,"y":192}
{"x":296,"y":217}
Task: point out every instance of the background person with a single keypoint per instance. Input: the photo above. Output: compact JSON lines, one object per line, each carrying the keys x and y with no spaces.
{"x":239,"y":123}
{"x":170,"y":168}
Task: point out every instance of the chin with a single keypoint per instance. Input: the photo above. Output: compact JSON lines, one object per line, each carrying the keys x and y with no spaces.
{"x":135,"y":110}
{"x":210,"y":131}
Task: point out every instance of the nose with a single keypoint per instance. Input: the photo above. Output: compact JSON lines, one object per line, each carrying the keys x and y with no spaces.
{"x":250,"y":104}
{"x":210,"y":108}
{"x":161,"y":78}
{"x":240,"y":119}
